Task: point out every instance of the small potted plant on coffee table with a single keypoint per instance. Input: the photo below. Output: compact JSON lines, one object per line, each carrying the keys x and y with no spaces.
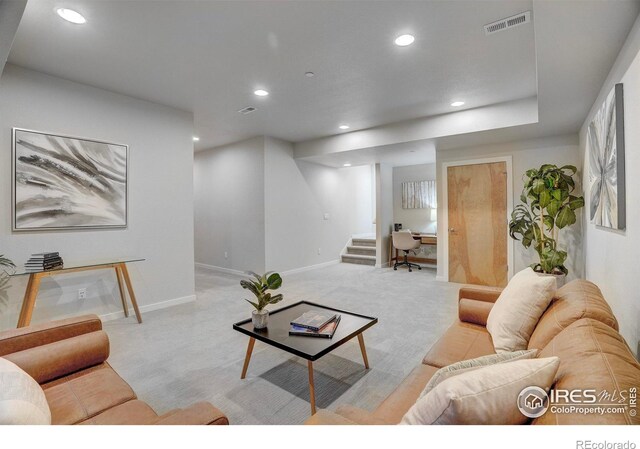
{"x":260,"y":287}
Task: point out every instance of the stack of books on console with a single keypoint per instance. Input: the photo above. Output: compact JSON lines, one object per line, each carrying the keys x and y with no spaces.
{"x":315,"y":324}
{"x":44,"y":262}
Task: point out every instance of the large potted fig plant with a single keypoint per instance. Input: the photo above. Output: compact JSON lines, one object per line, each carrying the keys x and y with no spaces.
{"x":549,"y":205}
{"x":260,"y":286}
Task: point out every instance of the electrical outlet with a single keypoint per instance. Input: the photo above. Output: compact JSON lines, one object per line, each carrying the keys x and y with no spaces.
{"x":319,"y":251}
{"x":82,"y":293}
{"x":226,"y":255}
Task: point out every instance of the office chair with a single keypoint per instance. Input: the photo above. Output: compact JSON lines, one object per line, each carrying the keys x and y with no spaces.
{"x":404,"y":241}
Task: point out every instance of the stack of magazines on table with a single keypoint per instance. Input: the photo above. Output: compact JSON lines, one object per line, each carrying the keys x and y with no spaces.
{"x":44,"y":262}
{"x":315,"y":324}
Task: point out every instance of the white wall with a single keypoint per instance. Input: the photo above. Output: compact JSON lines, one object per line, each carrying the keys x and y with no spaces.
{"x":160,"y":196}
{"x":229,"y":206}
{"x":611,"y":257}
{"x":266,"y":210}
{"x":10,"y":15}
{"x":298,"y":194}
{"x":525,"y":154}
{"x":384,"y":212}
{"x":414,"y":219}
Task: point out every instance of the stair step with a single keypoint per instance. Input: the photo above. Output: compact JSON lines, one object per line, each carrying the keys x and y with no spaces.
{"x":362,"y":250}
{"x":363,"y":242}
{"x":359,"y":259}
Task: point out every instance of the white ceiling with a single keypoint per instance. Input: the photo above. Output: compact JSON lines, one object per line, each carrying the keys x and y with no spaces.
{"x":208,"y":58}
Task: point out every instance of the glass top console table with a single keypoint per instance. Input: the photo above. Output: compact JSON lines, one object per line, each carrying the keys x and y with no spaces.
{"x":35,"y":276}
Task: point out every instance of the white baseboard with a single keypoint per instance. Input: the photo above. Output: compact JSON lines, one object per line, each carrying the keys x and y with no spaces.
{"x":149,"y":307}
{"x":311,"y":267}
{"x":441,"y":278}
{"x":220,"y":269}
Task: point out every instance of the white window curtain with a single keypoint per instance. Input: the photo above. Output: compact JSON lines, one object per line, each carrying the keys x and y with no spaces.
{"x":419,"y":195}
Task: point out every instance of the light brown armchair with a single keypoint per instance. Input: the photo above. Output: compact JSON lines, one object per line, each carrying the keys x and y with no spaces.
{"x":68,"y":358}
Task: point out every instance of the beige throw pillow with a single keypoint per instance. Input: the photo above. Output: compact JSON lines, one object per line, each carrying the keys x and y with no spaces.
{"x":472,"y":364}
{"x":518,"y":309}
{"x":22,"y":400}
{"x":484,"y":396}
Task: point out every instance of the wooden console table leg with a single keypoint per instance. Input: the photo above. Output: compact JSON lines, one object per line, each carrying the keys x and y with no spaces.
{"x":123,"y":296}
{"x":132,"y":295}
{"x":247,"y":358}
{"x":312,"y":389}
{"x":363,"y":350}
{"x":29,"y":301}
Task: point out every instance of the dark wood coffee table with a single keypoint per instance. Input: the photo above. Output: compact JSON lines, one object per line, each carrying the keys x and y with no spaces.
{"x":310,"y":348}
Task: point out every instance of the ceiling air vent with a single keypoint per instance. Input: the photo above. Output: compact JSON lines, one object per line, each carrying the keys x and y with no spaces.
{"x":509,"y":22}
{"x":247,"y":110}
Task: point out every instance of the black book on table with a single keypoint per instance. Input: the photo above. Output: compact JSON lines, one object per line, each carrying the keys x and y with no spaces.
{"x":45,"y":268}
{"x":36,"y":263}
{"x":44,"y":255}
{"x":326,"y":332}
{"x":314,"y":319}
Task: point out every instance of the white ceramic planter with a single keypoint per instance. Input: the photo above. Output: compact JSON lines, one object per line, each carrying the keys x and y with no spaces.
{"x":260,"y":319}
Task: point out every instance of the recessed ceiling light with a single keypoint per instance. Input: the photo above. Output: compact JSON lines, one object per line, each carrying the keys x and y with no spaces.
{"x":309,"y":74}
{"x":71,"y":16}
{"x":196,"y":138}
{"x":404,"y":40}
{"x":347,"y":165}
{"x":261,"y":93}
{"x":343,"y":126}
{"x":456,"y":104}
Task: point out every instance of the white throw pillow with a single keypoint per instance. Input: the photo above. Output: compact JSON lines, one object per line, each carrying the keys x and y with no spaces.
{"x":487,"y":395}
{"x":472,"y":364}
{"x":22,"y":400}
{"x":518,"y":309}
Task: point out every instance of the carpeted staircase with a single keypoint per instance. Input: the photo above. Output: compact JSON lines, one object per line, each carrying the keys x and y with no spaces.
{"x":361,"y":251}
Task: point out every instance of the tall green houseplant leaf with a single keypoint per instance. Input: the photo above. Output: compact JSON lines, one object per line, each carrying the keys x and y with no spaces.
{"x":548,"y":206}
{"x":260,"y":285}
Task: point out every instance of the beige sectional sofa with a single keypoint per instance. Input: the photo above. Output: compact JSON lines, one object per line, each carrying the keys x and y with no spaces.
{"x":578,"y":327}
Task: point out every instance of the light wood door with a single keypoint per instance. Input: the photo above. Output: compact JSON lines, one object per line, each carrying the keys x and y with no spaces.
{"x":477,"y":202}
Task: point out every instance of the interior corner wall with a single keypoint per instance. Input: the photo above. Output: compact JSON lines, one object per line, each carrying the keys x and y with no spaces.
{"x":611,"y":257}
{"x":413,"y":219}
{"x":384,"y":212}
{"x":558,"y":150}
{"x":160,"y":207}
{"x":311,"y":210}
{"x":230,"y":206}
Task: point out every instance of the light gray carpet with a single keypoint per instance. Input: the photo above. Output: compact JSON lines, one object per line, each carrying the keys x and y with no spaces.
{"x":190,"y":352}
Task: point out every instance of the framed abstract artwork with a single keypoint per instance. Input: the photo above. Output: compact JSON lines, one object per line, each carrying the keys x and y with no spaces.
{"x":64,"y":182}
{"x":605,"y":146}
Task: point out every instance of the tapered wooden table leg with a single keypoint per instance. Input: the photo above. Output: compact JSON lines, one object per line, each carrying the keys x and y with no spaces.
{"x":29,"y":301}
{"x":312,"y":389}
{"x":247,"y":358}
{"x":123,"y":296}
{"x":364,"y":350}
{"x":132,"y":295}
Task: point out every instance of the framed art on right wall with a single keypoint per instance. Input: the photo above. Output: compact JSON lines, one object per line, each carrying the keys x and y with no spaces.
{"x":605,"y":142}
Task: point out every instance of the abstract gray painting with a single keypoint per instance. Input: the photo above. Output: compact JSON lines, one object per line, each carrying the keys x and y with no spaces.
{"x":605,"y":140}
{"x":63,"y":182}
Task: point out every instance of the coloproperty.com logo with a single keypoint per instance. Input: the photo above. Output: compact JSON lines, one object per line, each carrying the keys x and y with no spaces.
{"x":534,"y":402}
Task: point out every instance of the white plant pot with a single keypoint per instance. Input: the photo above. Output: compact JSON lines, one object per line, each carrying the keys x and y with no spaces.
{"x":561,"y":279}
{"x":260,"y":319}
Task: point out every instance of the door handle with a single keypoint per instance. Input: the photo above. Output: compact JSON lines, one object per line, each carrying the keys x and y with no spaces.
{"x":452,"y":230}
